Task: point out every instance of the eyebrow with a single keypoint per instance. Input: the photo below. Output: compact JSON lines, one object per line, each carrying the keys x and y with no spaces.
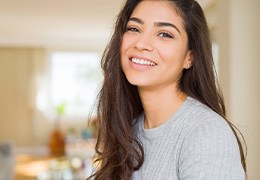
{"x":158,"y":24}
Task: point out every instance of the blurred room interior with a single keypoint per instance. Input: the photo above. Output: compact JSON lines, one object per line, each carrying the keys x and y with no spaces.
{"x":50,"y":75}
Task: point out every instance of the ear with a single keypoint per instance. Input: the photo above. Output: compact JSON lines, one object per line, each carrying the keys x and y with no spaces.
{"x":188,"y":62}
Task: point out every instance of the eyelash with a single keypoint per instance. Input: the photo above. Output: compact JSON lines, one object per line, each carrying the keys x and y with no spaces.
{"x":132,"y":29}
{"x":162,"y":34}
{"x":166,"y":35}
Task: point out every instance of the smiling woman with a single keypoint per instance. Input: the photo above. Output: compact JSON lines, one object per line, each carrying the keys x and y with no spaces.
{"x":161,"y":113}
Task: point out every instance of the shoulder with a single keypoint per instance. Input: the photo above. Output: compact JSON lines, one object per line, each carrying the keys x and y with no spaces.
{"x":209,"y":146}
{"x":201,"y":117}
{"x":208,"y":128}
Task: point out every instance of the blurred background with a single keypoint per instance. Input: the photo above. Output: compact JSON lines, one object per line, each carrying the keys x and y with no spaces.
{"x":50,"y":74}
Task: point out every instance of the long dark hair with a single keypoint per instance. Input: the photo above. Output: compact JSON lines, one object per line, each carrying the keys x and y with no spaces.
{"x":119,"y":152}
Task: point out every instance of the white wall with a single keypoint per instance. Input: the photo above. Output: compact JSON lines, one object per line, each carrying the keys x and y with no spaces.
{"x":15,"y":94}
{"x":238,"y":36}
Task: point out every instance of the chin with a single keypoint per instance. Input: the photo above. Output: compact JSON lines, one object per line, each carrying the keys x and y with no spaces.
{"x":137,"y":81}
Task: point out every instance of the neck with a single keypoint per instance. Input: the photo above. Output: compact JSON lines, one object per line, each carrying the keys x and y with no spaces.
{"x":160,"y":105}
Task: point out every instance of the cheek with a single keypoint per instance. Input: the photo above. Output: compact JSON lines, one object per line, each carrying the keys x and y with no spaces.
{"x":123,"y":51}
{"x":127,"y":42}
{"x":172,"y":54}
{"x":167,"y":53}
{"x":124,"y":44}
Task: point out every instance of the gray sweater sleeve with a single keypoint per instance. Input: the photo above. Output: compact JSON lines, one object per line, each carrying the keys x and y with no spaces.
{"x":210,"y":152}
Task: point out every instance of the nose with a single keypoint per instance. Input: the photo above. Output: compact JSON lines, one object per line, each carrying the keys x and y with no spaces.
{"x":144,"y":43}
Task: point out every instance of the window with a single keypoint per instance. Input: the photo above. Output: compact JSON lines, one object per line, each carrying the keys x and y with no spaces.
{"x":75,"y":80}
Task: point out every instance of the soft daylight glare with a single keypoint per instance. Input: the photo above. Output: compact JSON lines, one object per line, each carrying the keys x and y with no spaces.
{"x":72,"y":72}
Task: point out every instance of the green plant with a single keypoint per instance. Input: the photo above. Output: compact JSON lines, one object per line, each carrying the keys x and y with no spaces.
{"x":61,"y":109}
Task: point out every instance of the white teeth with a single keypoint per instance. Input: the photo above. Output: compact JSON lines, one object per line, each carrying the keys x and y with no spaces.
{"x":143,"y":61}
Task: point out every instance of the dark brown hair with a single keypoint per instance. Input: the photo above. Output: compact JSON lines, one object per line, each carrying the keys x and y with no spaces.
{"x":119,"y":152}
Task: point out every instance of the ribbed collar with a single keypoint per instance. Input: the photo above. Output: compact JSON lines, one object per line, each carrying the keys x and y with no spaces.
{"x":155,"y":133}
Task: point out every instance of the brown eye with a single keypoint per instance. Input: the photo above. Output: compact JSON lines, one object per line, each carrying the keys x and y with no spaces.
{"x":166,"y":35}
{"x":132,"y":29}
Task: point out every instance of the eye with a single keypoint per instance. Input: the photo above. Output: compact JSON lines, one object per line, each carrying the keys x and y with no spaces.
{"x":166,"y":35}
{"x":132,"y":29}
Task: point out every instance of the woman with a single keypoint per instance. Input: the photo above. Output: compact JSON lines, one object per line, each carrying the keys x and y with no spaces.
{"x":160,"y":112}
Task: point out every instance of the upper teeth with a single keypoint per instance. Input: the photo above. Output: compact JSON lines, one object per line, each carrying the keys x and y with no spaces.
{"x":143,"y":61}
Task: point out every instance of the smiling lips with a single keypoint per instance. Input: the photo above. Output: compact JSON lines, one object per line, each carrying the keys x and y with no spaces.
{"x":142,"y":61}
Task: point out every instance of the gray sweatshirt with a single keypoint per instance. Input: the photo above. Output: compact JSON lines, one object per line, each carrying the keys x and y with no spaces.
{"x":194,"y":144}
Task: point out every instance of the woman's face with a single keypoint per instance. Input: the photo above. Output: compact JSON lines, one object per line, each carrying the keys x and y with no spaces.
{"x":154,"y":47}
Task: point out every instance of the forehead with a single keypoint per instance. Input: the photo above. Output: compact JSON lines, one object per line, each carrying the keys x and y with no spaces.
{"x":157,"y":10}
